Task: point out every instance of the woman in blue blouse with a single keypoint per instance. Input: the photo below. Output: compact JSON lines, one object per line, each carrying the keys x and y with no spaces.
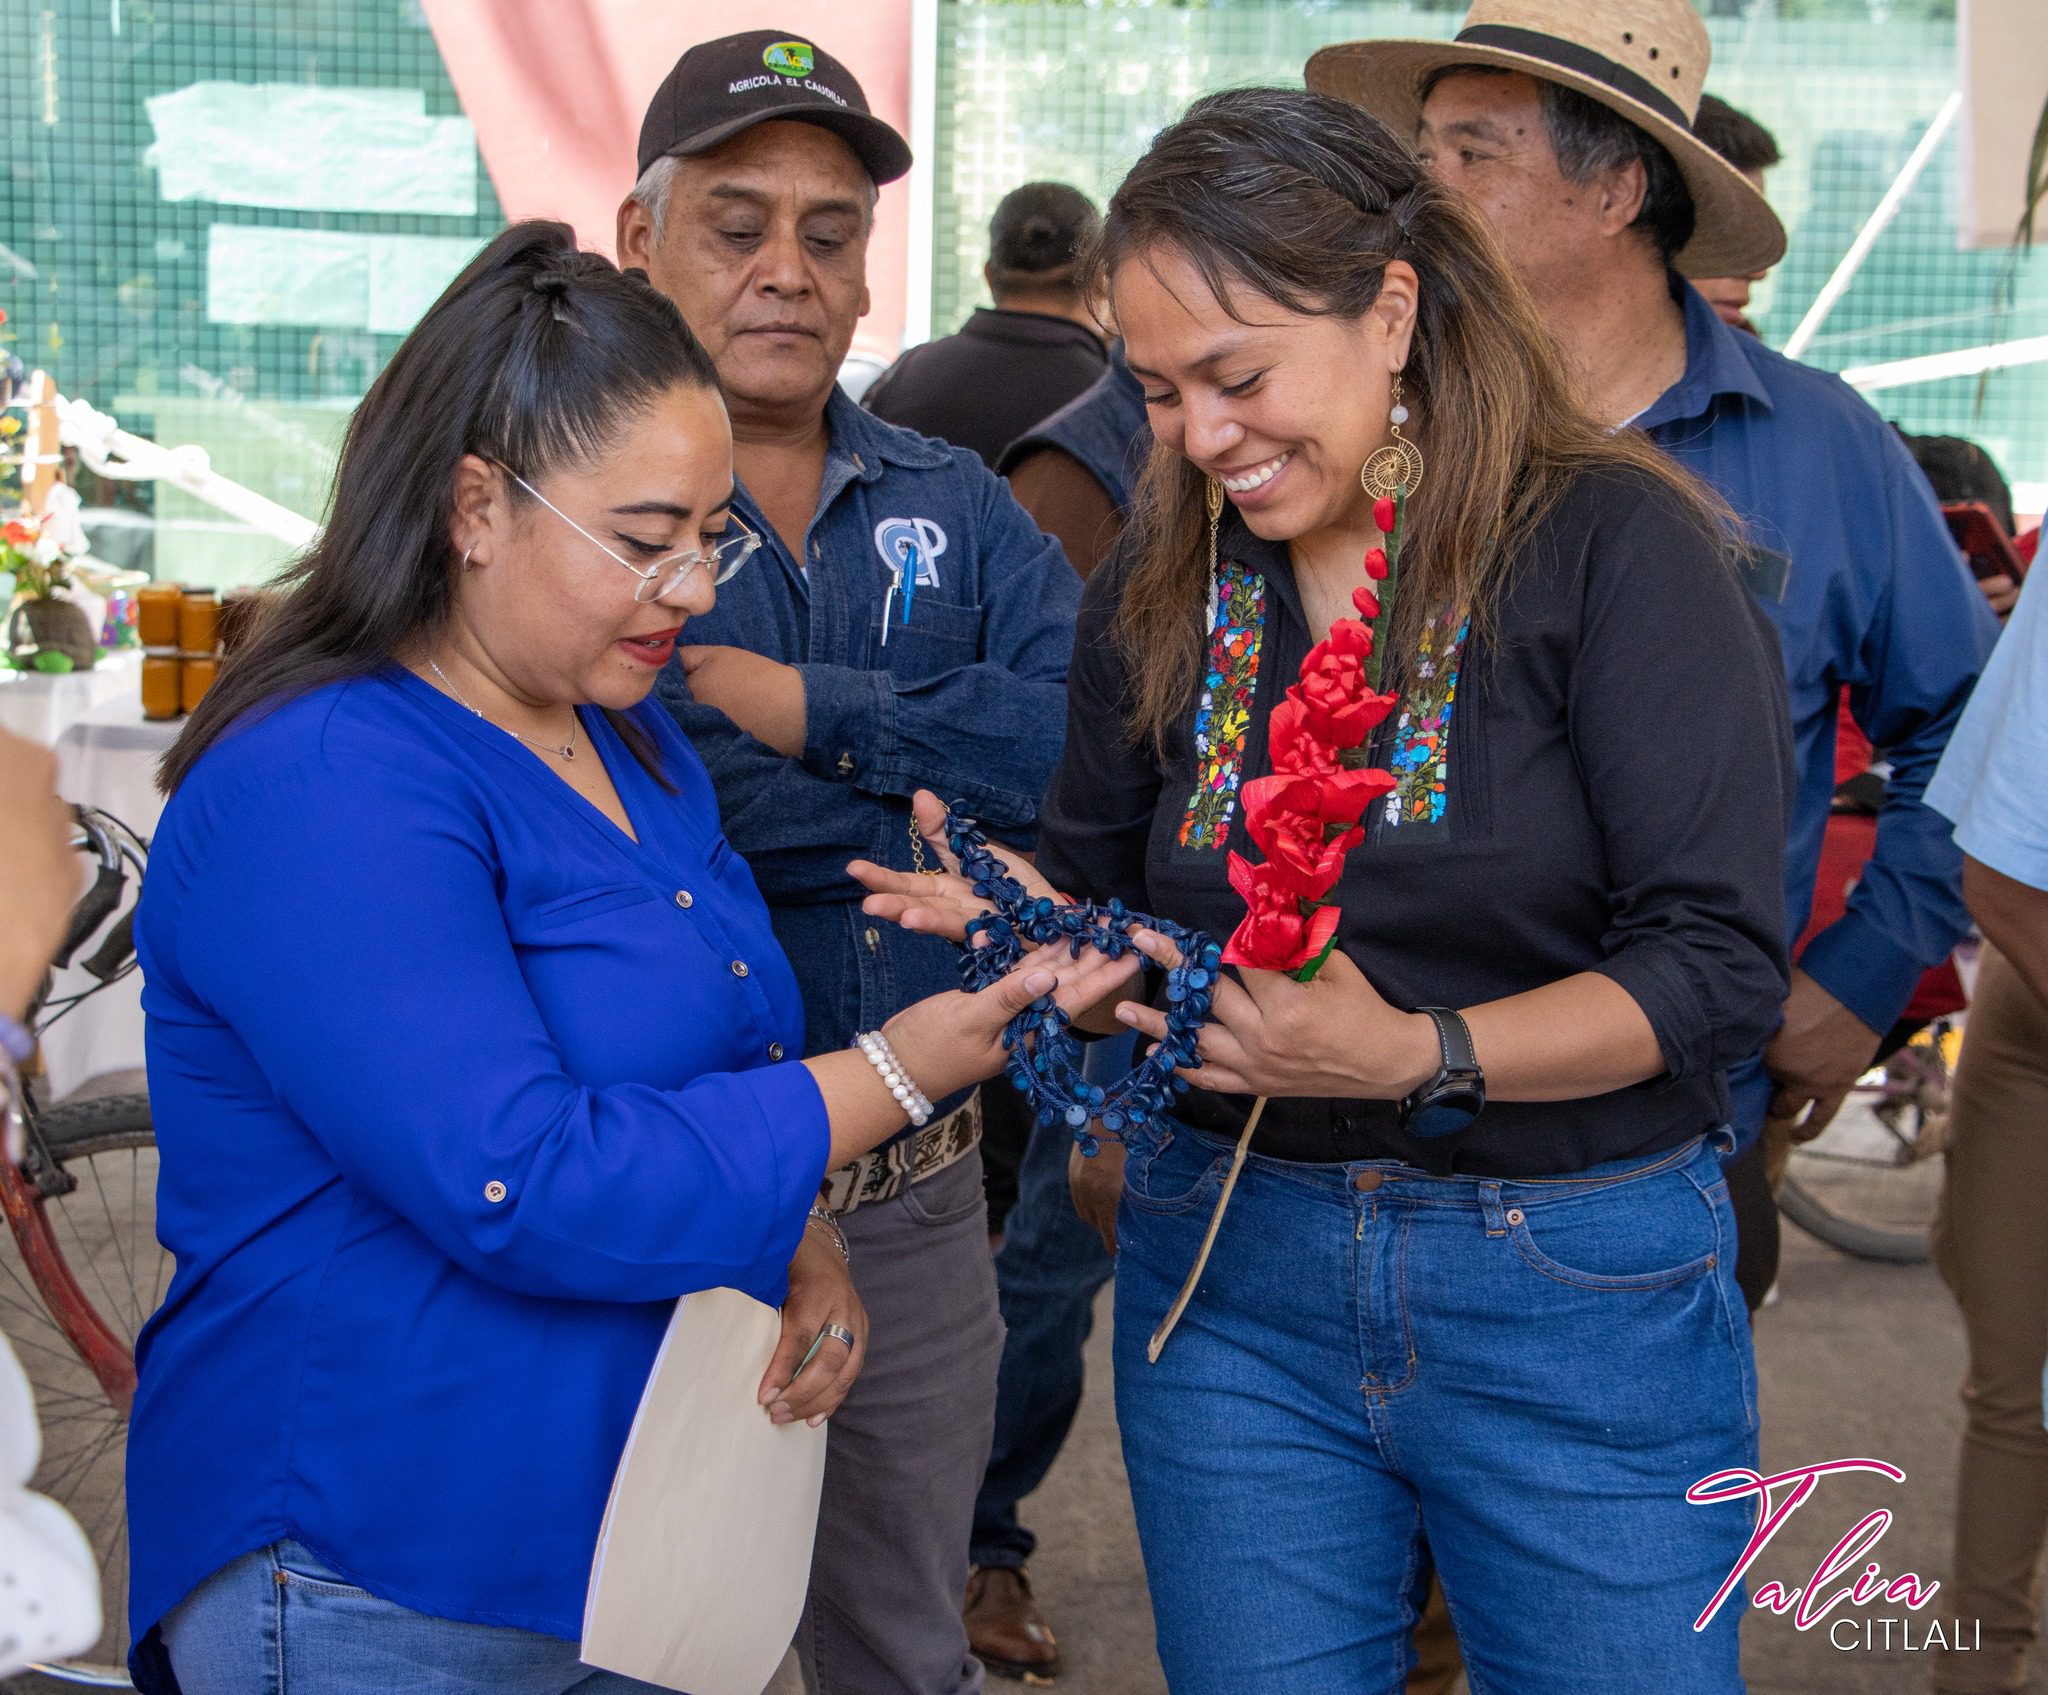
{"x":467,"y":1030}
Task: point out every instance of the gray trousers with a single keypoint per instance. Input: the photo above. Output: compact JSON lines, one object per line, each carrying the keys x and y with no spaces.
{"x":907,"y":1449}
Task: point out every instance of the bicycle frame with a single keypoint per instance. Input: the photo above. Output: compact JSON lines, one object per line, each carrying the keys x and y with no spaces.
{"x":104,"y":1353}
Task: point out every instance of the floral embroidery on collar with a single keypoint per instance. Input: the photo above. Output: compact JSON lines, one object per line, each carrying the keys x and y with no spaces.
{"x":1420,"y":758}
{"x":1237,"y":620}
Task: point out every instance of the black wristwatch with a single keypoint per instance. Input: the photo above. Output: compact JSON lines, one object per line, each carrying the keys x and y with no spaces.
{"x":1456,"y":1095}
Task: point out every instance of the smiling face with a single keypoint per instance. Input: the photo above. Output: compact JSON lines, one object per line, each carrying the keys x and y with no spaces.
{"x":763,"y":248}
{"x":555,"y":613}
{"x":1283,"y":407}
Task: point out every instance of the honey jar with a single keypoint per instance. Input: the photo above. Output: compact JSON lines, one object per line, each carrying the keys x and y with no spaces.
{"x":196,"y":674}
{"x":199,"y":621}
{"x":156,"y":614}
{"x":161,"y":689}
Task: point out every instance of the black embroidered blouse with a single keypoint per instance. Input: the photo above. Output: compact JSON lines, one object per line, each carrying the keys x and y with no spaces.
{"x":1602,"y":790}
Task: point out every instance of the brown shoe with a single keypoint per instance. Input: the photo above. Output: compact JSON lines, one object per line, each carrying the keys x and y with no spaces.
{"x":1005,"y":1628}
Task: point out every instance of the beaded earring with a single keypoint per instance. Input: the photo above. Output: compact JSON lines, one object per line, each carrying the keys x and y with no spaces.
{"x":1397,"y":467}
{"x":1215,"y":494}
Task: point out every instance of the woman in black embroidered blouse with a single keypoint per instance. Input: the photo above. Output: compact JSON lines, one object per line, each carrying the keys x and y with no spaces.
{"x":1506,"y":1352}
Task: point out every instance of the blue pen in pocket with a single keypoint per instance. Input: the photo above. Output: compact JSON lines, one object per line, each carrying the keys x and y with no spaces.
{"x":910,"y":582}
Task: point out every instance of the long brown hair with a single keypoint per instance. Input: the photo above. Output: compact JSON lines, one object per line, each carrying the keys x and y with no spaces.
{"x":1302,"y":200}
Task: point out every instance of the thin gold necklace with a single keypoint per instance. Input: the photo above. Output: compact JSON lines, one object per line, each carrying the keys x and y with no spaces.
{"x":566,"y":750}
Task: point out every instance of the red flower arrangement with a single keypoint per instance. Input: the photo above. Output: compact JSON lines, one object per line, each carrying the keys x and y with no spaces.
{"x":1308,"y":815}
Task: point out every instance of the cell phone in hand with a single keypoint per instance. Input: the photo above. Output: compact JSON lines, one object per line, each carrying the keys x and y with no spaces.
{"x":1987,"y":547}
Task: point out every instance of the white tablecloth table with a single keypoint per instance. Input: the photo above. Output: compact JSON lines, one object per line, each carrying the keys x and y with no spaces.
{"x":106,"y":757}
{"x":42,"y":708}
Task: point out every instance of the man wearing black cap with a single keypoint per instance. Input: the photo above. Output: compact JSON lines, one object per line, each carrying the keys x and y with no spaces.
{"x":906,"y":626}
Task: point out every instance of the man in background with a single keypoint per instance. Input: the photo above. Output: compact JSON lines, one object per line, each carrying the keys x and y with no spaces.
{"x":1014,"y":363}
{"x":1752,"y":150}
{"x":1076,"y":471}
{"x":904,"y":626}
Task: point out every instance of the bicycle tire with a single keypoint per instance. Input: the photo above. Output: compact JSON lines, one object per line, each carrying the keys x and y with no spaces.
{"x":1864,"y":1241}
{"x":85,"y":1127}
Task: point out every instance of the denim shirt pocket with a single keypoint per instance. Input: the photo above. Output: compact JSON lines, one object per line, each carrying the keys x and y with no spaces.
{"x":940,"y":636}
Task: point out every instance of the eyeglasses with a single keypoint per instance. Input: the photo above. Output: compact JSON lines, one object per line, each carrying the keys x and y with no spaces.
{"x":661,"y":579}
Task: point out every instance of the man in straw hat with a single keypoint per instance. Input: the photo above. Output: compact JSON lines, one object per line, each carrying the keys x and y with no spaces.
{"x":1569,"y":124}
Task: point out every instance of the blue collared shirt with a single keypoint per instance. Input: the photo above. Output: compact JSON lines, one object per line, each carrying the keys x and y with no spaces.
{"x":457,"y":1086}
{"x":1855,"y":566}
{"x":966,"y":697}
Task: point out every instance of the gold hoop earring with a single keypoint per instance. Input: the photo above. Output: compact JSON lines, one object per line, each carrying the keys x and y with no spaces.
{"x":1397,"y":467}
{"x":1215,"y":495}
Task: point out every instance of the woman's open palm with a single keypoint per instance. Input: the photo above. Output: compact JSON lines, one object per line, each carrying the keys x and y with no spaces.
{"x":936,"y":903}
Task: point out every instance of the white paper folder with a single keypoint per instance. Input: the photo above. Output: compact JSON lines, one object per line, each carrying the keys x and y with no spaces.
{"x":705,"y":1552}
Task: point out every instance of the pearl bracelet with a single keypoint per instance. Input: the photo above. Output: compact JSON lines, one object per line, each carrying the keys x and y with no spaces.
{"x":882,"y":1057}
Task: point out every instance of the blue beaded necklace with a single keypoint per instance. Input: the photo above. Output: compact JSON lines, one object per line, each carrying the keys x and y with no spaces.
{"x":1044,"y":1052}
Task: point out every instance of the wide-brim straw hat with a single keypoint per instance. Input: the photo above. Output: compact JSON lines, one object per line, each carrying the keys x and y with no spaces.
{"x":1646,"y":59}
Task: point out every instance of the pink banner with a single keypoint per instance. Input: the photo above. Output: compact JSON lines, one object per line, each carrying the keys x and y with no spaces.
{"x":556,"y":89}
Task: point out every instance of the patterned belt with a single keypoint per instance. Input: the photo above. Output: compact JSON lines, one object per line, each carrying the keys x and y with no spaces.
{"x":887,"y":1171}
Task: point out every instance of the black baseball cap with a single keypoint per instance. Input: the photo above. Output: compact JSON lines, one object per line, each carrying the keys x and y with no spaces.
{"x":721,"y":87}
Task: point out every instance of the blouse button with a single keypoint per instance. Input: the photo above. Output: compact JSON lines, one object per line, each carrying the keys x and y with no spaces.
{"x":739,"y":968}
{"x":844,"y":765}
{"x":872,"y":937}
{"x":494,"y":1191}
{"x":685,"y":899}
{"x":774,"y":1050}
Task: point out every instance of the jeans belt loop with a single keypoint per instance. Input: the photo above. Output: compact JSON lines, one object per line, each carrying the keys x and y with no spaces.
{"x":1491,"y":1209}
{"x":883,"y":1173}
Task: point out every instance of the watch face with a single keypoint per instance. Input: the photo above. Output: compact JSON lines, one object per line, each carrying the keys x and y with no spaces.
{"x":1452,"y":1106}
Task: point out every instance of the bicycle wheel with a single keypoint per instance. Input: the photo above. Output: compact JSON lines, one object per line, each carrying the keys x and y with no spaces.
{"x":80,"y":1270}
{"x":1869,"y":1183}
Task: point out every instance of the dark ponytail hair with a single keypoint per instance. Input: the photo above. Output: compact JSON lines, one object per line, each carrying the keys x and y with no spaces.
{"x":535,"y":357}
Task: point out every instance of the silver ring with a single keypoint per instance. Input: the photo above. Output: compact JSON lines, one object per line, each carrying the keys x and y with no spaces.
{"x":838,"y":1333}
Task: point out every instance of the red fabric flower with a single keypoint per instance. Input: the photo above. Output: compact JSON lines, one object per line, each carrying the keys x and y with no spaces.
{"x":1376,"y":564}
{"x":20,"y":534}
{"x":1383,"y":514}
{"x":1297,"y":750}
{"x":1274,"y":935}
{"x":1306,"y":825}
{"x":1339,"y":703}
{"x":1367,"y":602}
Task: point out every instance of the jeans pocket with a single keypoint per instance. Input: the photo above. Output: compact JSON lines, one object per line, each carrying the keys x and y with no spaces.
{"x":299,"y":1568}
{"x":1172,"y":1173}
{"x":1649,"y":1234}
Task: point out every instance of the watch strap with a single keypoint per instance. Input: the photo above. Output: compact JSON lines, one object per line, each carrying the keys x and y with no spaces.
{"x":1454,"y":1039}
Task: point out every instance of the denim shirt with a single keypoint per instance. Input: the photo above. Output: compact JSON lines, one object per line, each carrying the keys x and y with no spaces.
{"x":1853,"y":563}
{"x":967,"y":698}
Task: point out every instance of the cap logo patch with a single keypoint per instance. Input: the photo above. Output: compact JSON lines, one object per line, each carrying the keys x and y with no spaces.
{"x":788,"y":58}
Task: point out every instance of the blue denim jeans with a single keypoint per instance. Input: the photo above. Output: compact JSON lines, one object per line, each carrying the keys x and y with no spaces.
{"x":1524,"y":1375}
{"x":280,"y":1621}
{"x":1048,"y":1271}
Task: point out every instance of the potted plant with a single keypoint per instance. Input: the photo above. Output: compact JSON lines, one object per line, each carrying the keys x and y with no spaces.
{"x":45,"y":632}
